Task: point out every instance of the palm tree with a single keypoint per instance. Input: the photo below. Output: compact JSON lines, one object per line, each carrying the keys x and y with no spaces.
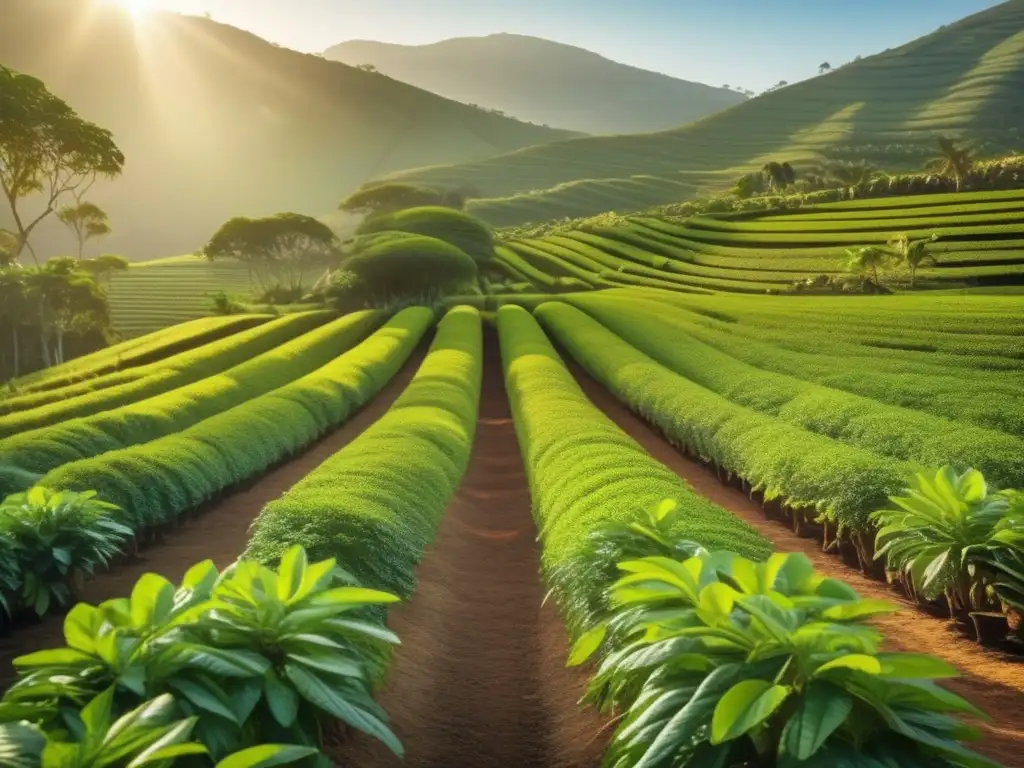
{"x":867,"y":259}
{"x":952,"y":160}
{"x":912,"y":253}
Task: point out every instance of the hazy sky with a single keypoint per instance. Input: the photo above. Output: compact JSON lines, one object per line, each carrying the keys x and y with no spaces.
{"x":748,"y":43}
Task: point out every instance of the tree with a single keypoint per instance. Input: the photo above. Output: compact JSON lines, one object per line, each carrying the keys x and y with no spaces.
{"x":46,"y":149}
{"x":846,"y":174}
{"x":824,"y":67}
{"x":780,"y":175}
{"x":750,"y":185}
{"x":389,"y":198}
{"x":13,"y":308}
{"x":65,"y":299}
{"x":102,"y":267}
{"x":870,"y":258}
{"x":951,"y":160}
{"x":86,"y":221}
{"x":912,"y":253}
{"x":281,"y":247}
{"x":8,"y":244}
{"x":366,"y":67}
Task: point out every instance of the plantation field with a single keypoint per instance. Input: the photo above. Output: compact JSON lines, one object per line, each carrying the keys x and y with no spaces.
{"x":979,"y":242}
{"x":961,"y":80}
{"x":461,"y":465}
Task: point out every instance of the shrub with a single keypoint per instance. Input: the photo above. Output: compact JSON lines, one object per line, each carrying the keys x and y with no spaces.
{"x":585,"y":472}
{"x":376,"y":504}
{"x":465,"y":232}
{"x":158,"y":480}
{"x":395,"y":266}
{"x":44,"y":449}
{"x":387,"y":198}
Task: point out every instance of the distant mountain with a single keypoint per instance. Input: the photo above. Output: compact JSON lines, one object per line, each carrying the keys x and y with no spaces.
{"x":217,"y":122}
{"x":965,"y":80}
{"x":544,"y":82}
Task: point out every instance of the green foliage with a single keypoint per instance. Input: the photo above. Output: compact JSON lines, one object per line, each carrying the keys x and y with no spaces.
{"x":465,"y":232}
{"x":718,"y":660}
{"x":376,"y":504}
{"x":157,"y":480}
{"x":250,"y":655}
{"x":52,"y":537}
{"x":125,"y":387}
{"x":285,"y":246}
{"x":389,"y":198}
{"x":941,"y":533}
{"x":576,"y":492}
{"x":392,"y":266}
{"x":843,"y":483}
{"x":86,"y":221}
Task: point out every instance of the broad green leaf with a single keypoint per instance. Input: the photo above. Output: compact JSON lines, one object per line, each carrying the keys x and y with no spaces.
{"x":586,"y":645}
{"x":744,"y":706}
{"x":334,"y":663}
{"x":716,"y":602}
{"x":858,"y":661}
{"x":58,"y":657}
{"x":171,"y":753}
{"x":201,"y":577}
{"x":823,"y":708}
{"x":316,"y":576}
{"x":354,"y":596}
{"x":282,"y":699}
{"x":665,"y":508}
{"x":96,"y":715}
{"x":267,"y":755}
{"x":367,"y":628}
{"x":205,"y":696}
{"x":323,"y":695}
{"x":915,"y":665}
{"x":152,"y":600}
{"x":81,"y":626}
{"x":291,"y":572}
{"x":858,"y":609}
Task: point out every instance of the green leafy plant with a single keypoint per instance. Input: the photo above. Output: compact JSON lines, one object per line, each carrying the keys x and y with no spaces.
{"x":939,"y":534}
{"x":58,"y":535}
{"x":722,"y":661}
{"x":1004,"y":559}
{"x":151,"y":734}
{"x":254,"y":654}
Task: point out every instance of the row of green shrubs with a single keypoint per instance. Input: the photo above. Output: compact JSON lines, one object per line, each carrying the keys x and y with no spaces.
{"x":376,"y":504}
{"x":143,"y":350}
{"x":584,"y":471}
{"x":808,"y":470}
{"x":129,"y":386}
{"x":156,"y":481}
{"x":889,"y":430}
{"x":47,"y":448}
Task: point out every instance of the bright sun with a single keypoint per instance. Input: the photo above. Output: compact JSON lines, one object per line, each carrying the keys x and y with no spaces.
{"x":137,"y":8}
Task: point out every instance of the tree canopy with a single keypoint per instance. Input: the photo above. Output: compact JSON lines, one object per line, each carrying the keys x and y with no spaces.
{"x":86,"y":221}
{"x":46,"y":149}
{"x":465,"y":232}
{"x":281,"y":247}
{"x":388,"y":198}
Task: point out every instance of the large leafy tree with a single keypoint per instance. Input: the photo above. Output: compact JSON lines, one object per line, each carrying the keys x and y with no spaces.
{"x":282,"y":247}
{"x":780,"y":175}
{"x":65,"y":299}
{"x":86,"y":221}
{"x":8,"y":244}
{"x":952,"y":160}
{"x":46,"y":149}
{"x":13,"y":308}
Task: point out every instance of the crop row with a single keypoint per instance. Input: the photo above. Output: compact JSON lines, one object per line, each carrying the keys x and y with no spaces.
{"x":123,"y":387}
{"x":900,"y":433}
{"x":142,"y":350}
{"x":156,"y":481}
{"x":47,"y":448}
{"x":585,"y":472}
{"x":376,"y":504}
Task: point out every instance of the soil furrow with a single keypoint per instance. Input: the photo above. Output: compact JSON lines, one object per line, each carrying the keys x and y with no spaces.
{"x":479,"y":678}
{"x":991,"y":680}
{"x":219,"y":533}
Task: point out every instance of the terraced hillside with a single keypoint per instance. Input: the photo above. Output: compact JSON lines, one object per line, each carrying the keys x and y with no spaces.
{"x":963,"y":80}
{"x":465,"y":467}
{"x":216,"y":122}
{"x":979,"y":242}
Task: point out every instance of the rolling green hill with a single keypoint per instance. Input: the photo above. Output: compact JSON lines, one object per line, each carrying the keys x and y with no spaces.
{"x":217,"y":122}
{"x":964,"y":80}
{"x":544,"y":82}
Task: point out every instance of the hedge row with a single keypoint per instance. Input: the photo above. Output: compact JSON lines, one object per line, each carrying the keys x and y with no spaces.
{"x":42,"y":450}
{"x":122,"y":387}
{"x":157,"y":481}
{"x":584,"y":471}
{"x":889,"y":430}
{"x":143,"y":350}
{"x":843,"y":482}
{"x":376,"y":504}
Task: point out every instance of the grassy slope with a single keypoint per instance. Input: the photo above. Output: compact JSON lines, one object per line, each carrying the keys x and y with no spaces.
{"x":216,"y":122}
{"x":513,"y":73}
{"x":964,"y":79}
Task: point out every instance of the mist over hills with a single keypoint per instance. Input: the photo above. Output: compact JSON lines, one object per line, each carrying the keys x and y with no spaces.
{"x":217,"y":122}
{"x":963,"y":80}
{"x":544,"y":82}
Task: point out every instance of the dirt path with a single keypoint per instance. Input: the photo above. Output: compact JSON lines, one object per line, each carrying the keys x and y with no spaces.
{"x":479,"y":679}
{"x":220,"y":533}
{"x":992,"y":681}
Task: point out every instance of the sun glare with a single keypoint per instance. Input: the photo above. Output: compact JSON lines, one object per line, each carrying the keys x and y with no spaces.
{"x":137,"y":8}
